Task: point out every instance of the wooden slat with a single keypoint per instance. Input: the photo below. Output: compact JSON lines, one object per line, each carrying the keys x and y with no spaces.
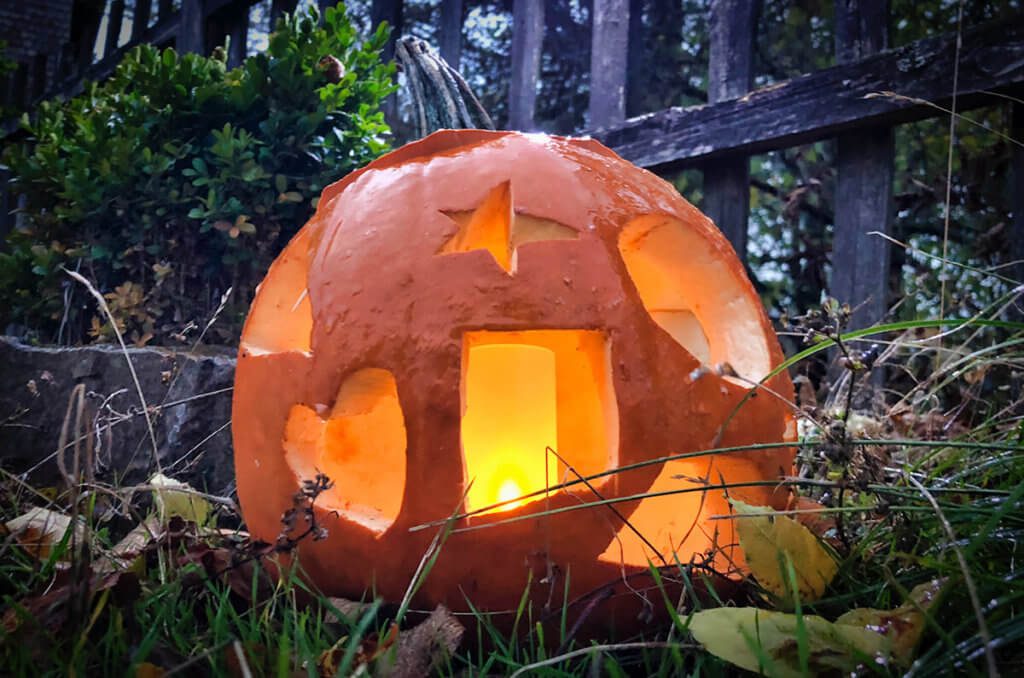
{"x":238,"y":32}
{"x":113,"y":27}
{"x":279,"y":7}
{"x":451,"y":32}
{"x":191,"y":27}
{"x":730,"y":75}
{"x":140,"y":18}
{"x":826,"y":103}
{"x":527,"y":40}
{"x":166,"y":9}
{"x":864,"y":174}
{"x":609,"y":55}
{"x":390,"y":11}
{"x":860,"y":29}
{"x":635,"y":66}
{"x":1016,"y":238}
{"x":87,"y":40}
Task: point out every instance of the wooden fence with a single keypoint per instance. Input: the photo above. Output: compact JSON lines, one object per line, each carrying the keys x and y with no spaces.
{"x":857,"y":102}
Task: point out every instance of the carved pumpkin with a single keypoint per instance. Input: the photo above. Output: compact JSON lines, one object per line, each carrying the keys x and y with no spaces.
{"x":466,"y":302}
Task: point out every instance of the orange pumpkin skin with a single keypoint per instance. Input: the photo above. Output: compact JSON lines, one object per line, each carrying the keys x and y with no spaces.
{"x":374,"y":286}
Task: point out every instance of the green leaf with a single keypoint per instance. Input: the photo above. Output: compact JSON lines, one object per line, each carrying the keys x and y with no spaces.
{"x":766,"y":642}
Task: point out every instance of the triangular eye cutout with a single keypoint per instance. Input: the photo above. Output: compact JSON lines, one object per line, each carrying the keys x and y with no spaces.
{"x":496,"y":227}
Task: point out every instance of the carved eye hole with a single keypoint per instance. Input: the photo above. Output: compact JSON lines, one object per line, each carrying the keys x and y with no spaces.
{"x":693,"y":292}
{"x":497,"y":227}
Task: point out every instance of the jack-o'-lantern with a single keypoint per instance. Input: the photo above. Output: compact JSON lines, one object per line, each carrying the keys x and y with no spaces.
{"x":477,"y":318}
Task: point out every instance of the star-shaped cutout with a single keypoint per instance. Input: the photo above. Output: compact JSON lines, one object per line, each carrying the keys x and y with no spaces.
{"x":495,"y":226}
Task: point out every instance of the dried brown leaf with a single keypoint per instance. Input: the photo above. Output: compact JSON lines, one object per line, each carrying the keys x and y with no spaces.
{"x":423,"y":648}
{"x":39,"y":530}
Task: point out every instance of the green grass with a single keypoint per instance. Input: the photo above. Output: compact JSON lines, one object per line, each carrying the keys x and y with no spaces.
{"x":909,"y":509}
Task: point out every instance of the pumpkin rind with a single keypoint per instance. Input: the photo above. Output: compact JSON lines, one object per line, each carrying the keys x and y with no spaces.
{"x":372,"y":282}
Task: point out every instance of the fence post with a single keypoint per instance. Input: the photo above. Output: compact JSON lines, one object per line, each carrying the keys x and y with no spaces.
{"x":1017,"y":189}
{"x":727,"y":181}
{"x":86,"y":37}
{"x":166,"y":8}
{"x":238,"y":32}
{"x":609,"y":56}
{"x":191,"y":27}
{"x":279,"y":7}
{"x":140,"y":18}
{"x":864,"y":169}
{"x":451,"y":32}
{"x":113,"y":28}
{"x":390,"y":11}
{"x":635,"y":59}
{"x":527,"y":40}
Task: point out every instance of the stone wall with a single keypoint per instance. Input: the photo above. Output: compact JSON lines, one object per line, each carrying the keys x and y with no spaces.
{"x":189,"y":396}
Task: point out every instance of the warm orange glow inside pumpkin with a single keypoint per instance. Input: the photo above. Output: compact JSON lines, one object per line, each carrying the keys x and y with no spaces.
{"x":360,"y":446}
{"x":678,"y":271}
{"x":524,"y":392}
{"x":461,"y":272}
{"x":284,"y":319}
{"x":509,"y":421}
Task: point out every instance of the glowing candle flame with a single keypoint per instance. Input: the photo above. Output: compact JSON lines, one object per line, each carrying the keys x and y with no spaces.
{"x":510,"y":419}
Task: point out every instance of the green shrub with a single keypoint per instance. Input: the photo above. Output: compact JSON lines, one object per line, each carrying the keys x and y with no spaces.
{"x":177,"y":179}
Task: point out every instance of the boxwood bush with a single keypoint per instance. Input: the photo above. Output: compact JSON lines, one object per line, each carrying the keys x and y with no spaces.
{"x":178,"y":179}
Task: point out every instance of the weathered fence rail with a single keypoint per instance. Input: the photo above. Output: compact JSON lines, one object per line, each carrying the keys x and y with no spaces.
{"x":827,"y":103}
{"x":844,"y":102}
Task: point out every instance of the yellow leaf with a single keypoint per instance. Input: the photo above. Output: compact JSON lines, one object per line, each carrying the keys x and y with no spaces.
{"x":768,"y":642}
{"x":175,"y":498}
{"x":769,"y":541}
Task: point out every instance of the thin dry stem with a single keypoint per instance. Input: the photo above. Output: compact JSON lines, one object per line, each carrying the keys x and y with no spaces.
{"x":124,"y":350}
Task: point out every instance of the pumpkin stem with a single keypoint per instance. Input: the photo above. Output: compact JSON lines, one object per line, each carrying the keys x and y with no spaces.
{"x":440,"y":96}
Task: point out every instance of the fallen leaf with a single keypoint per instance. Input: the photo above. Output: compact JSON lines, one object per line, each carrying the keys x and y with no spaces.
{"x":175,"y":498}
{"x":767,"y":642}
{"x":50,"y":610}
{"x":350,"y":609}
{"x":813,"y":515}
{"x":128,"y":552}
{"x":423,"y":648}
{"x":769,"y":541}
{"x":39,"y":530}
{"x":902,"y":626}
{"x":148,"y":670}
